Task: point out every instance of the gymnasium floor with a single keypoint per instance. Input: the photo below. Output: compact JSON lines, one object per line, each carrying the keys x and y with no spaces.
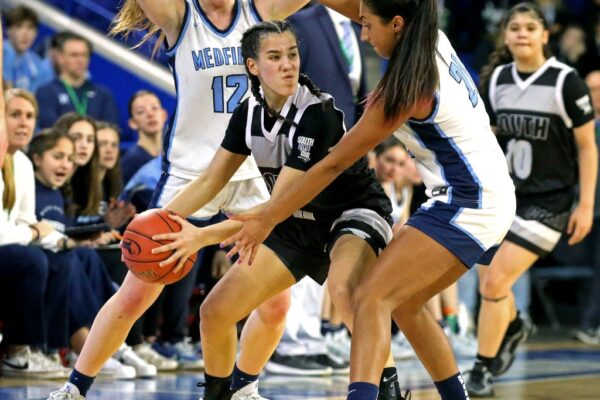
{"x":549,"y":368}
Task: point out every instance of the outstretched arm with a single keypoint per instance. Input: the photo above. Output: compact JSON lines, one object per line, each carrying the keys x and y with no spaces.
{"x":281,"y":9}
{"x":204,"y":188}
{"x":366,"y":134}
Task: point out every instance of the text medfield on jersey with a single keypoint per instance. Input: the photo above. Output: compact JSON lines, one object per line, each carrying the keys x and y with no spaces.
{"x":210,"y":57}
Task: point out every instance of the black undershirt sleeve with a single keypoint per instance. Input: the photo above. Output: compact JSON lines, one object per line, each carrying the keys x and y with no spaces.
{"x":235,"y":135}
{"x":577,"y":100}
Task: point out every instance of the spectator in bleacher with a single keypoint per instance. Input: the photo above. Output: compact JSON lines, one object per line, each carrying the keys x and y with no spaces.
{"x":589,"y":326}
{"x":72,"y":90}
{"x":553,"y":161}
{"x":87,"y":201}
{"x":111,"y":178}
{"x":42,"y":324}
{"x":50,"y":50}
{"x":23,"y":68}
{"x":572,"y":47}
{"x":147,"y":117}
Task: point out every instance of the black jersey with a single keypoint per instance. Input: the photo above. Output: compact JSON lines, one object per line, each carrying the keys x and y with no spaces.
{"x":535,"y":116}
{"x":275,"y":143}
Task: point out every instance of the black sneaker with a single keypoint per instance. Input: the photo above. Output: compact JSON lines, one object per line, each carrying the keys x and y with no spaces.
{"x":296,"y":365}
{"x":338,"y":367}
{"x":479,"y":383}
{"x":216,"y":389}
{"x":389,"y":389}
{"x":508,"y":348}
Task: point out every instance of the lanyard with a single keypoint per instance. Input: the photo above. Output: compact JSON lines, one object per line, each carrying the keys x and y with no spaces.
{"x":80,"y":105}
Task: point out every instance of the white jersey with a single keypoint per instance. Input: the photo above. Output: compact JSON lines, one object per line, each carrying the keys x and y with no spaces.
{"x":211,"y":82}
{"x":457,"y":154}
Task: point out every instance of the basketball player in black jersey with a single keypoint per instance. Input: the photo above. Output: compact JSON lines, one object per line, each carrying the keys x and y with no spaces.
{"x":288,"y":125}
{"x":543,"y":116}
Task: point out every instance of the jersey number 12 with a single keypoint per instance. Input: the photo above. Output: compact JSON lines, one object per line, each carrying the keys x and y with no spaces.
{"x":239,"y":82}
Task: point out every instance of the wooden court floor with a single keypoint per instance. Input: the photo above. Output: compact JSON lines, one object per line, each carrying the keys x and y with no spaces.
{"x":544,"y":369}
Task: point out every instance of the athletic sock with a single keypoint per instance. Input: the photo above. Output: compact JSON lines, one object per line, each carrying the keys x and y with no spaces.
{"x":452,"y":322}
{"x":452,"y":388}
{"x":240,"y":378}
{"x":515,"y":325}
{"x":83,"y":382}
{"x":362,"y":391}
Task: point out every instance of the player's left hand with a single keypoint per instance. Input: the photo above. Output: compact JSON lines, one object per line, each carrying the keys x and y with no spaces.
{"x":183,"y":244}
{"x":580,"y":223}
{"x":246,"y":242}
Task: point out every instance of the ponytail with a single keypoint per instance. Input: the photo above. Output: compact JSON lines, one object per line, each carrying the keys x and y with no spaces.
{"x":412,"y":74}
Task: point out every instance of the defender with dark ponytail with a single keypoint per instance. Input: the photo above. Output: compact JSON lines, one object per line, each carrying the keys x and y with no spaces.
{"x":411,"y":74}
{"x":428,"y":100}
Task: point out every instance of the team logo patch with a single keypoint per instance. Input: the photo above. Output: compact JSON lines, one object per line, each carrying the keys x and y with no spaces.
{"x":584,"y":104}
{"x":305,"y":145}
{"x":130,"y":246}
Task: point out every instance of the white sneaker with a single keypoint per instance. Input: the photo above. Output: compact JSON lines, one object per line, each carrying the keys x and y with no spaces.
{"x":56,"y":362}
{"x":187,"y":355}
{"x":114,"y":369}
{"x":338,"y":344}
{"x":401,"y":348}
{"x":148,"y":354}
{"x":67,"y":392}
{"x":248,"y":392}
{"x":28,"y":364}
{"x":127,"y":356}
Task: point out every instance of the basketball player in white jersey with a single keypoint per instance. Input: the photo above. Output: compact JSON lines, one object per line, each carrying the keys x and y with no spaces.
{"x":203,"y":39}
{"x":428,"y":101}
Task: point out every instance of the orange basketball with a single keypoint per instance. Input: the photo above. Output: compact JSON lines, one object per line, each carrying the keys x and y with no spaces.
{"x":137,"y":245}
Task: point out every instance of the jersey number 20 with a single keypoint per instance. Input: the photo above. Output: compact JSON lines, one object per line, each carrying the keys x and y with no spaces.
{"x":239,"y":82}
{"x":460,"y":74}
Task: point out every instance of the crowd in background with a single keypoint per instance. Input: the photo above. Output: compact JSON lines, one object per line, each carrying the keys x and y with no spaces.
{"x":70,"y":187}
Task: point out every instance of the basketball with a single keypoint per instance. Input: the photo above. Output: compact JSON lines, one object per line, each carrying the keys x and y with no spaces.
{"x":137,"y":245}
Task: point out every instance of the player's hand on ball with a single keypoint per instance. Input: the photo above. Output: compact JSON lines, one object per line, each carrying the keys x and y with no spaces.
{"x":183,"y":244}
{"x":246,"y":242}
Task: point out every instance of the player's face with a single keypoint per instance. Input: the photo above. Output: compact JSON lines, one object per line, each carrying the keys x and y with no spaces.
{"x":82,"y":133}
{"x":20,"y":123}
{"x":525,"y":37}
{"x":147,"y":115}
{"x":277,"y":67}
{"x":55,"y":166}
{"x":108,"y":148}
{"x":383,"y":36}
{"x":21,"y":36}
{"x":390,"y":164}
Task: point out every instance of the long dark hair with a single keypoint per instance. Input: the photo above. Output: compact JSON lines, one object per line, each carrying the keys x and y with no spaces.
{"x":501,"y":54}
{"x":83,"y":192}
{"x":411,"y":74}
{"x":112,"y":185}
{"x":46,"y":140}
{"x":251,"y":41}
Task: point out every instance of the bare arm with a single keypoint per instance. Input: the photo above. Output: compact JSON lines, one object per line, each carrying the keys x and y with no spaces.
{"x":166,"y":14}
{"x":204,"y":188}
{"x":355,"y":144}
{"x":581,"y":219}
{"x":278,"y":9}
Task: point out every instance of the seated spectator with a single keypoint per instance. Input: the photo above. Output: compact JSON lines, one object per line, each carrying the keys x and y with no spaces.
{"x":22,"y":67}
{"x":72,"y":90}
{"x":41,"y":324}
{"x":147,"y":117}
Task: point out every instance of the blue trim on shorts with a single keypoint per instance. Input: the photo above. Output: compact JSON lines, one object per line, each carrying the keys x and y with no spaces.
{"x":486,"y":258}
{"x":437,"y":223}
